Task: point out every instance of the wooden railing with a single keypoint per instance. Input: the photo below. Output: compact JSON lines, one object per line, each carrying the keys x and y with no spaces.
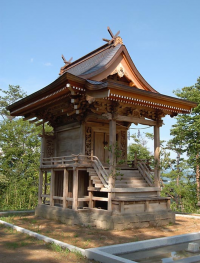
{"x":73,"y":159}
{"x":66,"y":160}
{"x":100,"y":170}
{"x":145,"y":171}
{"x":144,"y":168}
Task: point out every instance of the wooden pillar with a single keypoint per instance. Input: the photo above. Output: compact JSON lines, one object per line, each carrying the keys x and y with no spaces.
{"x":112,"y":160}
{"x":52,"y":187}
{"x":157,"y":155}
{"x":65,"y":188}
{"x":75,"y":189}
{"x":40,"y":187}
{"x":91,"y":202}
{"x":45,"y":186}
{"x":112,"y":157}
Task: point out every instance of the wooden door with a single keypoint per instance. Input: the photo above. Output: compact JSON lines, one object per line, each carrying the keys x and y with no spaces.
{"x":99,"y":145}
{"x":101,"y":140}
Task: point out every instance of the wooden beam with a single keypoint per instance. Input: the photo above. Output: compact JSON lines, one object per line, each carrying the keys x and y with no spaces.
{"x":75,"y":189}
{"x":52,"y":187}
{"x":136,"y":120}
{"x":65,"y":188}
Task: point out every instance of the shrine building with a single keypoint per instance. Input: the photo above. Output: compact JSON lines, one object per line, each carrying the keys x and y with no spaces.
{"x":84,"y":176}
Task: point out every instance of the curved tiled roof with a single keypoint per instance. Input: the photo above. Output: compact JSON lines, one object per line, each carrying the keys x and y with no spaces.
{"x":94,"y":62}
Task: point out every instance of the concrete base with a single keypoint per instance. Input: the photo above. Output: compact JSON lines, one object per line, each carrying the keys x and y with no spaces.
{"x":104,"y":219}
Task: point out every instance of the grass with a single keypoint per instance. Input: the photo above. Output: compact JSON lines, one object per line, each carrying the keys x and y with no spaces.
{"x":14,"y":245}
{"x":77,"y":253}
{"x":57,"y":248}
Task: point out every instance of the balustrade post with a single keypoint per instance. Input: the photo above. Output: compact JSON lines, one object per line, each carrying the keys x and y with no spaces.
{"x":65,"y":188}
{"x":135,"y":161}
{"x":92,"y":154}
{"x":75,"y":189}
{"x":52,"y":188}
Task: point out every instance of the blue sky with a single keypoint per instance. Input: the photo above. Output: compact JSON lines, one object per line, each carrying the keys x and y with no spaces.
{"x":162,"y":37}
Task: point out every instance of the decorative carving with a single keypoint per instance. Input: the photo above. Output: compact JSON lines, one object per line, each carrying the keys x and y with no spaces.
{"x":118,"y":40}
{"x":136,"y":113}
{"x":123,"y":144}
{"x":120,"y":70}
{"x":49,"y":146}
{"x":90,"y":99}
{"x":88,"y":140}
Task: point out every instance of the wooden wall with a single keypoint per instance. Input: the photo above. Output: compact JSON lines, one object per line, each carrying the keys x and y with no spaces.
{"x":68,"y":140}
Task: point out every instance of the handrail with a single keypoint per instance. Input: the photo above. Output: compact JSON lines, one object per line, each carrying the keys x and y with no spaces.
{"x":62,"y":160}
{"x":100,"y":170}
{"x":78,"y":158}
{"x":145,"y":172}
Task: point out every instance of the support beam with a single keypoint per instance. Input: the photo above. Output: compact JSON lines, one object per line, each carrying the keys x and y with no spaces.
{"x":52,"y":187}
{"x":136,"y":120}
{"x":75,"y":189}
{"x":112,"y":160}
{"x":157,"y":155}
{"x":45,"y":186}
{"x":91,"y":202}
{"x":112,"y":156}
{"x":65,"y":188}
{"x":40,"y":187}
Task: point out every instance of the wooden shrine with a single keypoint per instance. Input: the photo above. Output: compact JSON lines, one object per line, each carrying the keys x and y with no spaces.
{"x":90,"y":106}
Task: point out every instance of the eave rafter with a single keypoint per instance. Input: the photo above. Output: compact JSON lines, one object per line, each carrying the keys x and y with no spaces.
{"x":86,"y":96}
{"x":154,"y":103}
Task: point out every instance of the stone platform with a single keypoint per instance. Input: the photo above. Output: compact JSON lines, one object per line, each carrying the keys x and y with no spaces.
{"x":104,"y":219}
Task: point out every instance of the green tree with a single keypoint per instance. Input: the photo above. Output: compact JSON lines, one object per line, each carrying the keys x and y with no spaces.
{"x":19,"y":164}
{"x":186,"y":131}
{"x":19,"y":156}
{"x":139,"y":147}
{"x":13,"y":94}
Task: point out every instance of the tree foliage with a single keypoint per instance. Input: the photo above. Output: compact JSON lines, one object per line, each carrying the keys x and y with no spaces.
{"x":139,"y":147}
{"x":13,"y":94}
{"x":186,"y":131}
{"x":19,"y":157}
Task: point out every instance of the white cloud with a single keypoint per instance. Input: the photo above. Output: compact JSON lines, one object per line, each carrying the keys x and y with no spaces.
{"x":47,"y":64}
{"x":31,"y":60}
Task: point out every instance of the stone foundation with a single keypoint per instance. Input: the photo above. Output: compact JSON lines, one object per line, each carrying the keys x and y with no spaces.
{"x":104,"y":219}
